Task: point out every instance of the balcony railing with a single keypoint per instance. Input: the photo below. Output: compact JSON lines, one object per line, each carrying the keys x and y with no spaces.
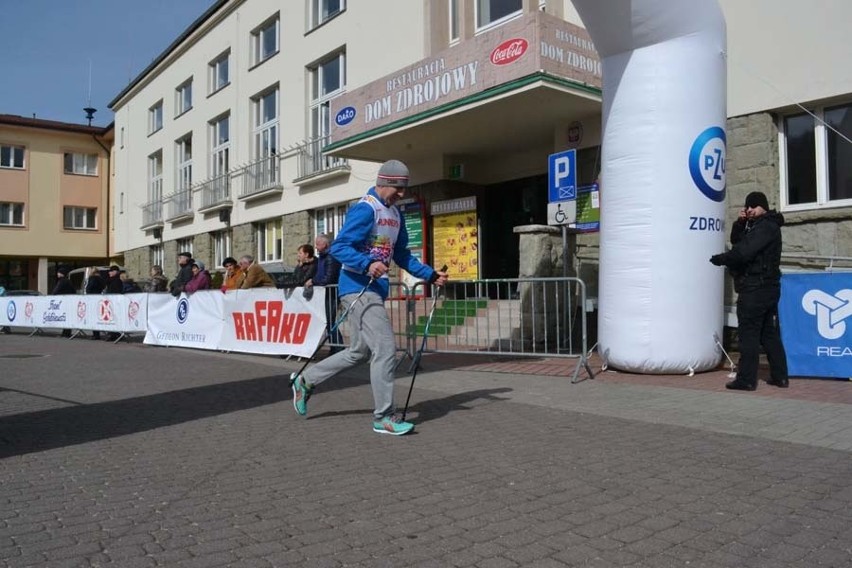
{"x":152,"y":214}
{"x":261,"y":177}
{"x":180,"y":205}
{"x":216,"y":191}
{"x":313,"y":162}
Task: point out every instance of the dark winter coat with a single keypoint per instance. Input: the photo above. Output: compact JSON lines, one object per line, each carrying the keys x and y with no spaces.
{"x":114,"y":285}
{"x":305,"y":272}
{"x":328,"y":270}
{"x":755,"y":259}
{"x":95,"y":284}
{"x":63,"y":286}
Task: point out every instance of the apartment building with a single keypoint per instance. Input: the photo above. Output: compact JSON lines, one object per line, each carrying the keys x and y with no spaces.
{"x":263,"y":121}
{"x":54,"y":199}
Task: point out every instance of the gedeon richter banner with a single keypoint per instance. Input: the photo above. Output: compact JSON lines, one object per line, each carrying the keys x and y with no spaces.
{"x":266,"y":321}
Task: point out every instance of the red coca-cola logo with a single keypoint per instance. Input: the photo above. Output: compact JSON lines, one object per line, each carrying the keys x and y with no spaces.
{"x":509,"y":51}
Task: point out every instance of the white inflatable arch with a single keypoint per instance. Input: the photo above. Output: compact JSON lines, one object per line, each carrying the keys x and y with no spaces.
{"x":662,"y":181}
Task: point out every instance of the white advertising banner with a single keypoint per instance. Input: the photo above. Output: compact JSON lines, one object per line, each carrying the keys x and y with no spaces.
{"x":188,"y":321}
{"x":24,"y":311}
{"x":274,"y":322}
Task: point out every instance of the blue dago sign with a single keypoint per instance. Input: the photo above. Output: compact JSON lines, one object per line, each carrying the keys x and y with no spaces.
{"x":562,"y":176}
{"x":816,"y":324}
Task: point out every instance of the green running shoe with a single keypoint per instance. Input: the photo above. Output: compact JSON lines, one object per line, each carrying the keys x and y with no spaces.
{"x":301,"y":393}
{"x":392,"y":425}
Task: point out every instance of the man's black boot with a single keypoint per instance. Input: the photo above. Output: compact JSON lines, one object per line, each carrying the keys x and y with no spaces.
{"x":780,"y":383}
{"x":740,"y":385}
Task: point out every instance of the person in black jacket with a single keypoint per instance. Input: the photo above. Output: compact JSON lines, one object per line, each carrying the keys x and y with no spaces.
{"x":95,"y":285}
{"x":63,"y":286}
{"x":754,"y":261}
{"x":184,"y":274}
{"x":328,"y":272}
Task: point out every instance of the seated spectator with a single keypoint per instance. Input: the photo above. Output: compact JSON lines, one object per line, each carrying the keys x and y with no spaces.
{"x":128,"y":286}
{"x":254,"y":274}
{"x":200,"y":278}
{"x":233,"y":274}
{"x":306,"y":268}
{"x":158,"y":282}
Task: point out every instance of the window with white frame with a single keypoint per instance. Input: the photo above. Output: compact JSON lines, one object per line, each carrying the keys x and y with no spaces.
{"x":330,"y":220}
{"x":183,"y":147}
{"x":454,"y":21}
{"x":220,"y":141}
{"x":183,"y":97}
{"x":817,"y":158}
{"x":221,"y":247}
{"x":155,"y":117}
{"x":264,"y":40}
{"x":328,"y":80}
{"x":155,"y":176}
{"x":219,"y":76}
{"x":81,"y":164}
{"x":492,"y":12}
{"x":185,"y":245}
{"x":270,"y":241}
{"x":12,"y":214}
{"x":324,"y":10}
{"x":80,"y":218}
{"x":11,"y":156}
{"x":265,"y":107}
{"x":157,"y":255}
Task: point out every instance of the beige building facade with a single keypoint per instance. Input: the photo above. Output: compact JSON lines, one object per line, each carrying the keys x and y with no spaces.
{"x":256,"y":128}
{"x":54,"y":199}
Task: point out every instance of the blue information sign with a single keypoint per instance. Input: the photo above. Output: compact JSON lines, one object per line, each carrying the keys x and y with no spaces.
{"x":562,"y":176}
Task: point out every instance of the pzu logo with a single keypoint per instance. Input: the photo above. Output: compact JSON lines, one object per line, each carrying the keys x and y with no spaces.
{"x":11,"y":311}
{"x":182,"y":310}
{"x":830,"y":311}
{"x":707,"y":163}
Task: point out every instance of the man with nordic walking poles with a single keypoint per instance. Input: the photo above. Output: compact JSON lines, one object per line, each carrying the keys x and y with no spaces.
{"x":373,"y":234}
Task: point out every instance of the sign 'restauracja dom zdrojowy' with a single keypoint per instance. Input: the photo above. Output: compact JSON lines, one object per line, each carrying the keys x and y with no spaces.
{"x":535,"y":42}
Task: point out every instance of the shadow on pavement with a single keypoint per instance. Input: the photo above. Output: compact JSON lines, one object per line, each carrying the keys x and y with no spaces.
{"x":431,"y":409}
{"x":59,"y":427}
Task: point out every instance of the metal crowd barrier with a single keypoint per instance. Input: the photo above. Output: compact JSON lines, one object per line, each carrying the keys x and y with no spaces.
{"x":512,"y":317}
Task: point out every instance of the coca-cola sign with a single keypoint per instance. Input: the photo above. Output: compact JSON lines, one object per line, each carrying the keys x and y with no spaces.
{"x":509,"y":51}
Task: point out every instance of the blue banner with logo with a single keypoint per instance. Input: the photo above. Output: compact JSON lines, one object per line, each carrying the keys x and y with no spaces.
{"x":815,"y":312}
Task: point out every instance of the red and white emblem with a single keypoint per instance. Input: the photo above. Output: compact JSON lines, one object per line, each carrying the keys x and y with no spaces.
{"x":105,"y":311}
{"x":81,"y":310}
{"x":509,"y":51}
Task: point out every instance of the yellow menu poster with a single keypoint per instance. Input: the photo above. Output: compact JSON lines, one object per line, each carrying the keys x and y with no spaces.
{"x":456,"y":244}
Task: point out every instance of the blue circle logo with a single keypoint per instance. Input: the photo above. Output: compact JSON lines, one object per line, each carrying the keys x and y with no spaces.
{"x":11,"y":311}
{"x":707,"y":163}
{"x":182,"y":310}
{"x":345,"y":116}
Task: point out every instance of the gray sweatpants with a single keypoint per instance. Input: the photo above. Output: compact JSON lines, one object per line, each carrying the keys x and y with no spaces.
{"x":371,"y":332}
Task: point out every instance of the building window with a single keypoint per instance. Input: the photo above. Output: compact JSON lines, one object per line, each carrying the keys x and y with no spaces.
{"x":324,"y":10}
{"x":329,"y":221}
{"x":219,"y":75}
{"x":157,"y":255}
{"x":185,"y":245}
{"x":81,"y":164}
{"x":184,"y":162}
{"x":221,"y":247}
{"x":492,"y":12}
{"x":12,"y":214}
{"x":80,"y":218}
{"x":183,"y":98}
{"x":155,"y":176}
{"x":454,"y":21}
{"x":328,"y":80}
{"x":12,"y":157}
{"x":270,"y":241}
{"x":264,"y":40}
{"x":817,"y":158}
{"x":155,"y":117}
{"x":220,"y":141}
{"x":266,"y":124}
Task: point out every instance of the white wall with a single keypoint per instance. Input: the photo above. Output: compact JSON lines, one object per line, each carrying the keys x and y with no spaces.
{"x":373,"y":49}
{"x":782,"y":52}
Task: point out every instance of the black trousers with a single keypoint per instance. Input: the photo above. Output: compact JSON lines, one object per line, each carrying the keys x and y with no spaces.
{"x":757,"y":315}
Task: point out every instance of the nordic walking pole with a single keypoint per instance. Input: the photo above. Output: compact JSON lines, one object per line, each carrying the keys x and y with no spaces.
{"x":419,"y":354}
{"x":339,"y":321}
